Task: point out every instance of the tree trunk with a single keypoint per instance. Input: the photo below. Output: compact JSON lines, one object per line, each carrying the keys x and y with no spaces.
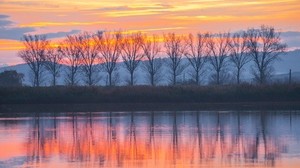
{"x":152,"y":79}
{"x":174,"y":78}
{"x":218,"y":77}
{"x":238,"y":76}
{"x":109,"y":78}
{"x":131,"y":79}
{"x":197,"y":77}
{"x":37,"y":80}
{"x":261,"y":77}
{"x":90,"y":79}
{"x":54,"y":80}
{"x":72,"y":79}
{"x":54,"y":76}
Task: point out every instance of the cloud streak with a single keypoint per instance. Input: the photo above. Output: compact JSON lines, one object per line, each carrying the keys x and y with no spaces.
{"x":9,"y":32}
{"x":14,"y":33}
{"x":48,"y":24}
{"x":61,"y":34}
{"x":4,"y":22}
{"x":292,"y":38}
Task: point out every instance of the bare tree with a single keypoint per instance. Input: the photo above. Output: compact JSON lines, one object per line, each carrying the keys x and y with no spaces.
{"x":34,"y":55}
{"x":218,"y":46}
{"x":110,"y":49}
{"x":89,"y":56}
{"x":132,"y":53}
{"x":175,"y":49}
{"x":239,"y":56}
{"x":264,"y":47}
{"x":71,"y":57}
{"x":153,"y":64}
{"x":196,"y":53}
{"x":53,"y":64}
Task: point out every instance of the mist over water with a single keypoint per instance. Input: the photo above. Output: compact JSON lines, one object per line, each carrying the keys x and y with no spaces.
{"x":151,"y":139}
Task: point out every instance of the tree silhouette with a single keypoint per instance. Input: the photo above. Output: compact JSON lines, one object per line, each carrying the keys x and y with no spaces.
{"x":110,"y":50}
{"x":153,"y":64}
{"x":175,"y":49}
{"x":34,"y":55}
{"x":264,"y":46}
{"x":71,"y":54}
{"x":218,"y":46}
{"x":89,"y":57}
{"x":132,"y":53}
{"x":239,"y":56}
{"x":196,"y":53}
{"x":53,"y":64}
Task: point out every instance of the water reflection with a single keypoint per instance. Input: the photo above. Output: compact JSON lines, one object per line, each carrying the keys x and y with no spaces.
{"x":152,"y":139}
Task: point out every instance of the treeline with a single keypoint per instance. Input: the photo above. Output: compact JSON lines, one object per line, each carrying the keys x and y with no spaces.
{"x":148,"y":94}
{"x":88,"y":54}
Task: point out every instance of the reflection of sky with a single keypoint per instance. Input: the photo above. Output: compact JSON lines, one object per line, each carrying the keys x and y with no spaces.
{"x":58,"y":18}
{"x":157,"y":139}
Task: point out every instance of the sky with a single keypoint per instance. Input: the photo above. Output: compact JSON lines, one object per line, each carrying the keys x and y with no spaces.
{"x":57,"y":19}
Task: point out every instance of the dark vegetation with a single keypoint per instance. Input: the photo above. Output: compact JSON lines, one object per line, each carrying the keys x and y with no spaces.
{"x":149,"y":94}
{"x":11,"y":78}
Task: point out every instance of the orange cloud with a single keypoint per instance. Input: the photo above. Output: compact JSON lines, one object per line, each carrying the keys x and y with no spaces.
{"x":10,"y":45}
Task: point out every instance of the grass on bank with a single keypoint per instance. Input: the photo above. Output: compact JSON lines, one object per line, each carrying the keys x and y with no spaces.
{"x":148,"y":94}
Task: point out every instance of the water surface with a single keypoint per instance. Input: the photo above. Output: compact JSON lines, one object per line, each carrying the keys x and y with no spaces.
{"x":151,"y":139}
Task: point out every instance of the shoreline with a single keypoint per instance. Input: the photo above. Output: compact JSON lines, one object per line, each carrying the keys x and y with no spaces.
{"x":119,"y":107}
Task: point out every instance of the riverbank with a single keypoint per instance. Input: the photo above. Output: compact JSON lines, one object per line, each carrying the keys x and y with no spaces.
{"x":121,"y":107}
{"x":148,"y":94}
{"x":147,"y":98}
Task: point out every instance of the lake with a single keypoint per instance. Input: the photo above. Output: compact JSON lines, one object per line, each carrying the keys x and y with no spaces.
{"x":151,"y":139}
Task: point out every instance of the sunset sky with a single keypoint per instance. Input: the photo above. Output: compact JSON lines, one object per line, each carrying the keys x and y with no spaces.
{"x":56,"y":19}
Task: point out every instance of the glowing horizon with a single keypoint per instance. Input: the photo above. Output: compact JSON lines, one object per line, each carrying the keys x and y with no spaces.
{"x":56,"y":19}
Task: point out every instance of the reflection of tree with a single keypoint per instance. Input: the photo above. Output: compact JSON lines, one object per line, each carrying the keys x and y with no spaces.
{"x":35,"y":141}
{"x":238,"y":138}
{"x":40,"y":141}
{"x":75,"y":140}
{"x":151,"y":147}
{"x":129,"y":140}
{"x":90,"y":136}
{"x":175,"y":139}
{"x":199,"y":134}
{"x":55,"y":126}
{"x":290,"y":119}
{"x":132,"y":137}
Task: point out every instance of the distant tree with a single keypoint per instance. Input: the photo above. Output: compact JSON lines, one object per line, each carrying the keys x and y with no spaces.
{"x":53,"y":60}
{"x":175,"y":49}
{"x":110,"y":49}
{"x":132,"y":53}
{"x":34,"y":52}
{"x":71,"y":57}
{"x":196,"y":53}
{"x":239,"y":55}
{"x":11,"y":78}
{"x":89,"y":56}
{"x":264,"y":46}
{"x":218,"y":46}
{"x":153,"y":64}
